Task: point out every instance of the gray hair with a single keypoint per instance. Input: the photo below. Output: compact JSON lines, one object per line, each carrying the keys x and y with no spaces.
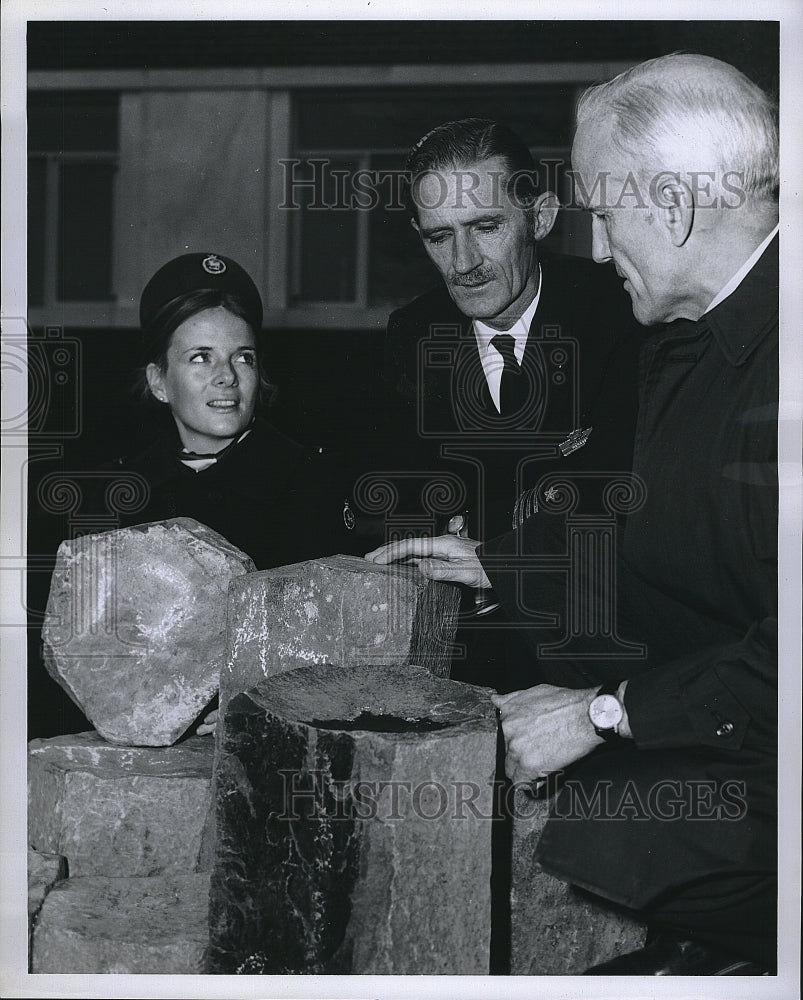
{"x":656,"y":106}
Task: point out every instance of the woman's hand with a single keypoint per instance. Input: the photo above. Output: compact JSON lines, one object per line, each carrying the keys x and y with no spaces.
{"x":208,"y":726}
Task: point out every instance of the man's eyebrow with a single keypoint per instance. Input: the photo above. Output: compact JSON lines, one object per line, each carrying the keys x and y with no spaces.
{"x":477,"y":219}
{"x":490,"y":217}
{"x":429,"y":230}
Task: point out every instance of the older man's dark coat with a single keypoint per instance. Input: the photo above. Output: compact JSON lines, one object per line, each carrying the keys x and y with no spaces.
{"x":697,"y":588}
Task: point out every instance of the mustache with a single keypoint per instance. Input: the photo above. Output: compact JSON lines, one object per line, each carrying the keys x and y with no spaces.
{"x":475,"y":277}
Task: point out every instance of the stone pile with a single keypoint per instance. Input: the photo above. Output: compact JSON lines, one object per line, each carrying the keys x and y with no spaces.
{"x":154,"y":851}
{"x":136,"y":633}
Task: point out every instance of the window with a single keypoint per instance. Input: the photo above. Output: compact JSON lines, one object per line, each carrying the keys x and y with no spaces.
{"x":72,"y":162}
{"x":346,"y":142}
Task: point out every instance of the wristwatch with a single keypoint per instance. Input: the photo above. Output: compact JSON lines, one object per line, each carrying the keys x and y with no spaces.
{"x":606,"y":713}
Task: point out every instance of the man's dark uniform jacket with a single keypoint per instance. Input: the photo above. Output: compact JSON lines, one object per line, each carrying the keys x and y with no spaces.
{"x":441,"y":424}
{"x":697,"y":586}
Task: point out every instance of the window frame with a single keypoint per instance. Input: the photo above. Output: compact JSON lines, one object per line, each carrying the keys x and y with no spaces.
{"x":281,"y":85}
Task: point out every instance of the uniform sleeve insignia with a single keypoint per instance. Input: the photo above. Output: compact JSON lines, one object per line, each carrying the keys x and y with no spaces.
{"x":574,"y":441}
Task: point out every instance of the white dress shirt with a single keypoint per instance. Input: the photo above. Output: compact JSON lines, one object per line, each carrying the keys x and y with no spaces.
{"x":492,"y":362}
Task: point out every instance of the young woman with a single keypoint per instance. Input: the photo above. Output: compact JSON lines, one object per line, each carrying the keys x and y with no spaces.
{"x":218,"y":461}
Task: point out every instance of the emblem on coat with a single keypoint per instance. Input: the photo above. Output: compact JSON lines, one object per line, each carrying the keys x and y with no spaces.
{"x":348,"y":516}
{"x":213,"y":264}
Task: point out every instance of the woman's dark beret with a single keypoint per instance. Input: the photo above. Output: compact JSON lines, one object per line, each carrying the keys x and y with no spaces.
{"x":194,"y":272}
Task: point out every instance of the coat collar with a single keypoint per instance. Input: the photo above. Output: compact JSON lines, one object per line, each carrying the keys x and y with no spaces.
{"x":741,"y":321}
{"x":245,"y":465}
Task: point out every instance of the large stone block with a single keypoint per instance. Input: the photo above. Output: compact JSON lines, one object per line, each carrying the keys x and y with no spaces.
{"x":97,"y":925}
{"x":555,"y":929}
{"x":114,"y":810}
{"x":339,"y":609}
{"x":135,"y":626}
{"x":354,"y":810}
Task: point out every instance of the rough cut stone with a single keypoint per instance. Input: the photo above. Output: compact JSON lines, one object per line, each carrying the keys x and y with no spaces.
{"x":114,"y":810}
{"x":97,"y":925}
{"x":555,"y":929}
{"x":44,"y":870}
{"x":135,"y":626}
{"x":354,"y":831}
{"x":339,"y":609}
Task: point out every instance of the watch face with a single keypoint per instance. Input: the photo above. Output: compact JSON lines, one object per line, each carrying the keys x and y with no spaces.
{"x":605,"y":711}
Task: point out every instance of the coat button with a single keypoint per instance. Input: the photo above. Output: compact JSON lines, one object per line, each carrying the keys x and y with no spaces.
{"x":725,"y":729}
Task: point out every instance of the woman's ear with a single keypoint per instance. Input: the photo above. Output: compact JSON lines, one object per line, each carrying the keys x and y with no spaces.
{"x":155,"y":377}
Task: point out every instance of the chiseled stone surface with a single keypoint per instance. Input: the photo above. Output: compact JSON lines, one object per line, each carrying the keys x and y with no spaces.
{"x":354,"y":832}
{"x":119,"y":811}
{"x":555,"y":930}
{"x":44,"y":870}
{"x":135,"y":626}
{"x":339,"y":609}
{"x":96,"y":925}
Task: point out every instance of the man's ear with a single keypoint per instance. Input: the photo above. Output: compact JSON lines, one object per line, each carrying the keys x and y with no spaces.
{"x":675,"y":203}
{"x":414,"y":224}
{"x":155,"y":377}
{"x":544,"y":212}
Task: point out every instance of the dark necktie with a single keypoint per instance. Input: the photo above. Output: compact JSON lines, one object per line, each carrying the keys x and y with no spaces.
{"x":513,"y":386}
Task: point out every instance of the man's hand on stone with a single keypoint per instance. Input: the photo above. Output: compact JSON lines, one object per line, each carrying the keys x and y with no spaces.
{"x":208,"y":726}
{"x":445,"y":557}
{"x":546,"y":728}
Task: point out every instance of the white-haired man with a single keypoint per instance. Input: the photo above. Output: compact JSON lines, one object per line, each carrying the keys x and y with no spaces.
{"x":669,"y":801}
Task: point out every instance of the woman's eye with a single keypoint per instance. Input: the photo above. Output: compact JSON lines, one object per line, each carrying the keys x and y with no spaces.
{"x":199,"y":357}
{"x":247,"y":359}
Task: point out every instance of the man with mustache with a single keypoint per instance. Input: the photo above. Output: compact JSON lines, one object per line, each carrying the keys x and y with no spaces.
{"x":669,"y":804}
{"x":521,"y":362}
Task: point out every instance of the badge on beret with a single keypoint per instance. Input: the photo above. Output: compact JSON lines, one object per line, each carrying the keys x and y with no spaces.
{"x":213,"y":264}
{"x":348,"y":516}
